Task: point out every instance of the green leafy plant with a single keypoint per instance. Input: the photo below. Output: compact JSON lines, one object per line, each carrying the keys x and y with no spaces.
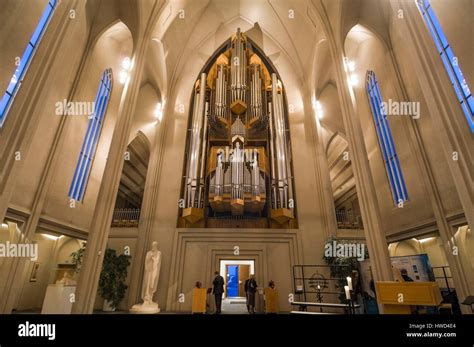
{"x":77,"y":257}
{"x":112,"y":285}
{"x":341,"y":267}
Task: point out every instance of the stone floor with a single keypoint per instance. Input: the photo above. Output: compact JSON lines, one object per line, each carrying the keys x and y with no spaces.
{"x":234,"y":306}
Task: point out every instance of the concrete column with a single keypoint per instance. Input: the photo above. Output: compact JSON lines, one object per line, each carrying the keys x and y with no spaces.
{"x":322,"y":171}
{"x":148,"y":208}
{"x":100,"y":228}
{"x":373,"y":226}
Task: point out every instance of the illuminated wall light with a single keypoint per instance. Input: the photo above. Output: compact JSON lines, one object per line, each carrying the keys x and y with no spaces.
{"x":123,"y":76}
{"x":351,"y":65}
{"x":51,"y":237}
{"x":319,"y":110}
{"x":317,"y":107}
{"x":126,"y":63}
{"x":159,"y":112}
{"x":353,"y":80}
{"x":426,"y":239}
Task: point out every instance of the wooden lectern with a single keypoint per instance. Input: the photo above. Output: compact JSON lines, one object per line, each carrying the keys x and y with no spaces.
{"x":199,"y":300}
{"x":271,"y":300}
{"x":398,"y":297}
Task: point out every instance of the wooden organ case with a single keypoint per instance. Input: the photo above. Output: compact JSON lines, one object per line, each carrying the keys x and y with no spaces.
{"x":238,"y":169}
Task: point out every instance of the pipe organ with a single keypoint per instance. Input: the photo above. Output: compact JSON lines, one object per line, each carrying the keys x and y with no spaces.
{"x":238,"y":156}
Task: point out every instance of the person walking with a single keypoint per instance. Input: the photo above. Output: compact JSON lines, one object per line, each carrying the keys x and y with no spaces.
{"x":218,"y":290}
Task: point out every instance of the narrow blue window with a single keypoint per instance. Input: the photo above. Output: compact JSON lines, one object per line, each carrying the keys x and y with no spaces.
{"x":450,"y":61}
{"x":25,"y":60}
{"x":89,"y":146}
{"x":387,"y":146}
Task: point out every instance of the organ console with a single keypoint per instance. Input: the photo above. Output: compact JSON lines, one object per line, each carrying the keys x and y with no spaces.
{"x":238,"y":157}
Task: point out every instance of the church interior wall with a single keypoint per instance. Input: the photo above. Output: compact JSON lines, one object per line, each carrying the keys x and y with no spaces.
{"x":11,"y":10}
{"x":415,"y":89}
{"x":44,"y":123}
{"x":107,"y":53}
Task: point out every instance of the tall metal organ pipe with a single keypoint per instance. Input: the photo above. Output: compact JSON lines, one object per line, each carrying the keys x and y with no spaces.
{"x":202,"y":160}
{"x":219,"y":175}
{"x":193,"y":179}
{"x":274,"y":177}
{"x":221,"y":91}
{"x":281,"y":150}
{"x":238,"y":69}
{"x":256,"y":92}
{"x":255,"y":174}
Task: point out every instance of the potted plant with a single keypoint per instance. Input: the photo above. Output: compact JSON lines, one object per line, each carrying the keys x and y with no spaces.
{"x":341,"y":267}
{"x":112,"y":285}
{"x":77,"y":257}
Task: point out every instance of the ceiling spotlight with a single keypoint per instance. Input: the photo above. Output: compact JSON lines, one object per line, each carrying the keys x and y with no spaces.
{"x":126,"y":63}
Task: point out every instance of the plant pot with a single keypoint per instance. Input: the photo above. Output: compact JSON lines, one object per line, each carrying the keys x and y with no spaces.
{"x":107,"y":307}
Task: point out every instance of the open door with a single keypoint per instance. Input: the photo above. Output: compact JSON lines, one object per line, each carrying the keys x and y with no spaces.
{"x":244,"y":273}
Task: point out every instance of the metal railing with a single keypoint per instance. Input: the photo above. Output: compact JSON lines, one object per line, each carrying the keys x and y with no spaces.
{"x":126,"y":217}
{"x":443,"y":274}
{"x":348,"y":220}
{"x":307,"y":278}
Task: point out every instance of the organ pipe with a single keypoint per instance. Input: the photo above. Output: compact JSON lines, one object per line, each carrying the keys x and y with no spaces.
{"x":221,"y":91}
{"x":279,"y":139}
{"x":193,"y":176}
{"x":256,"y":92}
{"x":238,"y":69}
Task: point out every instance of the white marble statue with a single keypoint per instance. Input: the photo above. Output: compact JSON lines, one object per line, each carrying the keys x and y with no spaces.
{"x":150,"y":281}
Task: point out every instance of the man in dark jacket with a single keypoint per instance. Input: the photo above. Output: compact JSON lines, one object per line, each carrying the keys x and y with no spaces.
{"x":246,"y":288}
{"x":250,"y":290}
{"x":218,"y":290}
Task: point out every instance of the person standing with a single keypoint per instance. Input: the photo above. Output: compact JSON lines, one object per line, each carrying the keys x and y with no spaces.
{"x":218,"y":290}
{"x":251,"y":290}
{"x":246,"y":288}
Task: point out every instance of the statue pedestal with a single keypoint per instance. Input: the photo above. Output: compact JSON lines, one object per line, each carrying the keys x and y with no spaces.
{"x":148,"y":308}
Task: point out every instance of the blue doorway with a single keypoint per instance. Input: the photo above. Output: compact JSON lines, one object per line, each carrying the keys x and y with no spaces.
{"x":232,"y":281}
